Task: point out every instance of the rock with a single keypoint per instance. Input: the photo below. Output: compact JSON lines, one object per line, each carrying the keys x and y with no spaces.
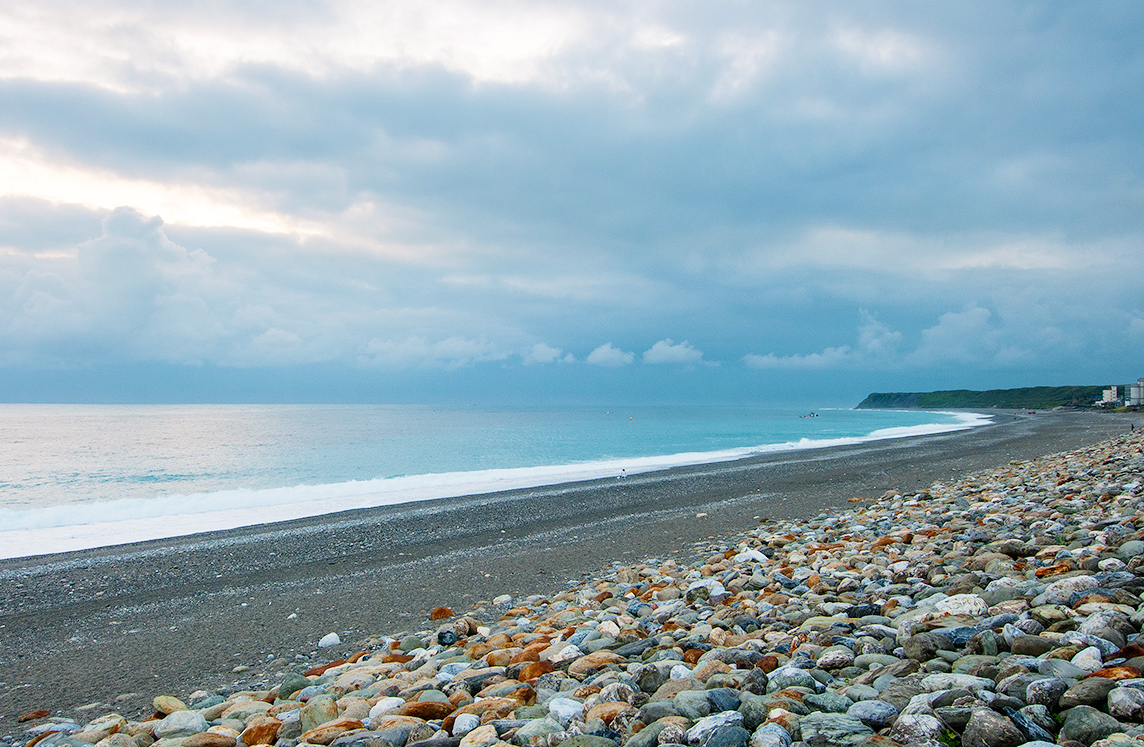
{"x":291,"y":684}
{"x":203,"y":739}
{"x":1060,"y":592}
{"x":1088,"y":659}
{"x":591,"y":662}
{"x":331,"y":730}
{"x":785,"y":677}
{"x":482,"y":736}
{"x":587,"y":740}
{"x":1085,"y":724}
{"x":1029,"y":727}
{"x":1126,"y":704}
{"x":1031,"y":645}
{"x":1046,"y":692}
{"x":730,"y":735}
{"x":915,"y":728}
{"x":261,"y":730}
{"x":564,"y":710}
{"x":964,"y":604}
{"x":876,"y":714}
{"x":317,"y":711}
{"x":934,"y":682}
{"x":703,"y":728}
{"x":1090,"y":692}
{"x":829,"y":702}
{"x":830,"y":729}
{"x":182,"y":723}
{"x":900,"y":692}
{"x":987,"y":728}
{"x":771,"y":735}
{"x":835,"y":658}
{"x":924,"y":646}
{"x":329,"y":639}
{"x":168,"y":704}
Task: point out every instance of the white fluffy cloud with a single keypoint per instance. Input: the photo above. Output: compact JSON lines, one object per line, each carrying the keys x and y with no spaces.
{"x":666,"y":351}
{"x":544,"y":353}
{"x":877,"y":344}
{"x":610,"y":356}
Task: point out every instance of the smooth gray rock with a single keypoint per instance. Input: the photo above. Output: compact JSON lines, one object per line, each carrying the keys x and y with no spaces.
{"x":877,"y":714}
{"x":916,"y":728}
{"x":1085,"y":724}
{"x":1091,"y":692}
{"x":181,"y":724}
{"x":771,"y":735}
{"x":830,"y":702}
{"x":832,"y":729}
{"x":987,"y":728}
{"x":545,"y":726}
{"x":1046,"y":692}
{"x":1126,"y":704}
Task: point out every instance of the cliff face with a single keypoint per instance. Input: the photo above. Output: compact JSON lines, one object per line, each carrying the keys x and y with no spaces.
{"x":890,"y":401}
{"x":1033,"y":398}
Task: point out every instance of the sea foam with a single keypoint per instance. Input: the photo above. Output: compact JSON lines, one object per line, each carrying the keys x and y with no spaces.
{"x":53,"y":529}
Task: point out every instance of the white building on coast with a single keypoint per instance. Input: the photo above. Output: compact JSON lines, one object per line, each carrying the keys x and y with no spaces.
{"x":1134,"y":394}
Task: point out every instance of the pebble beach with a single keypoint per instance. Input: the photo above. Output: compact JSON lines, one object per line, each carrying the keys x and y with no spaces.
{"x":997,"y":608}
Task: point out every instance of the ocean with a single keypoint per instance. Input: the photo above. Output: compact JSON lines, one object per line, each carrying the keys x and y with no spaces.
{"x":81,"y":476}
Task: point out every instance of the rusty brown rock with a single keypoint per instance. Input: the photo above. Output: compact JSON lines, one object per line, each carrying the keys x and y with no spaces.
{"x":440,"y":613}
{"x":427,"y":710}
{"x":534,"y":670}
{"x":321,"y":669}
{"x":607,"y":712}
{"x":593,"y":661}
{"x":261,"y":730}
{"x":331,"y":730}
{"x":33,"y":715}
{"x":1116,"y":673}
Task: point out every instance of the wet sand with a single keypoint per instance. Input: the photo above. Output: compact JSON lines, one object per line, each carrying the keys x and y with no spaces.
{"x":116,"y":626}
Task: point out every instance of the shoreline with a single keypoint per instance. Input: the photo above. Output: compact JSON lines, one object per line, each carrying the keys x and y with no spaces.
{"x":89,"y":526}
{"x":162,"y":616}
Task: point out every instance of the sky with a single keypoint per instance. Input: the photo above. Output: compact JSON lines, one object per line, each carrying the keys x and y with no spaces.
{"x":567,"y":201}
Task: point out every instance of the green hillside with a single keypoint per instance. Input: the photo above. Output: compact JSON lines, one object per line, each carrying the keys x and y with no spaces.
{"x":1026,"y":398}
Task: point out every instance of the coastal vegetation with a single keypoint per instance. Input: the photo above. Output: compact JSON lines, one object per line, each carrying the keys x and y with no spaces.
{"x":1025,"y":398}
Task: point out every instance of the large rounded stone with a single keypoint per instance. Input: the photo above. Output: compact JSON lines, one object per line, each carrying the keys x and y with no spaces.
{"x":780,"y":679}
{"x":1090,"y":692}
{"x":833,"y":729}
{"x":1126,"y":704}
{"x":291,"y":684}
{"x":924,"y":646}
{"x":1085,"y":724}
{"x":987,"y":728}
{"x":911,"y":728}
{"x":181,"y":724}
{"x":318,"y":710}
{"x":877,"y":714}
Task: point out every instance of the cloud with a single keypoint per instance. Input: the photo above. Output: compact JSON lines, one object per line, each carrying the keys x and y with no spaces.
{"x":665,"y":351}
{"x":828,"y":358}
{"x":437,"y":185}
{"x":544,"y":353}
{"x":454,"y":352}
{"x":877,"y":345}
{"x":609,"y":356}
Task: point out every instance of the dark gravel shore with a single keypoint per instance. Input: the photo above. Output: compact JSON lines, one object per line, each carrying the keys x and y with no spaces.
{"x":118,"y":625}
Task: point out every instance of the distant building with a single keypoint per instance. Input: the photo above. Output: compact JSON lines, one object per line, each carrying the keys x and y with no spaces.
{"x":1111,"y":395}
{"x":1135,"y":394}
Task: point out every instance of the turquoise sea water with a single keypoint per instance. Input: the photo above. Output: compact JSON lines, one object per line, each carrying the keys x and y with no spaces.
{"x":82,"y":476}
